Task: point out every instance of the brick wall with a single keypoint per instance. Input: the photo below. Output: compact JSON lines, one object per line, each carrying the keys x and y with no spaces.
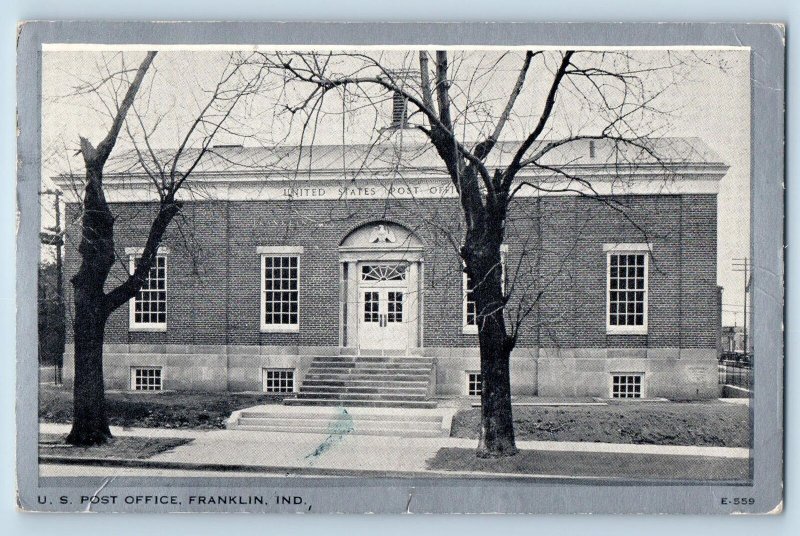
{"x":555,"y":249}
{"x":571,"y":269}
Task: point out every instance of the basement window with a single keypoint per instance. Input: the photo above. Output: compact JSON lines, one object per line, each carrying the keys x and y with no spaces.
{"x":626,"y":386}
{"x":276,"y":380}
{"x":146,"y":379}
{"x":474,"y":384}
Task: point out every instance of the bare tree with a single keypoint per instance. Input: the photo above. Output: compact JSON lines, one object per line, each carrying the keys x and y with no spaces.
{"x":547,"y":101}
{"x":168,"y":172}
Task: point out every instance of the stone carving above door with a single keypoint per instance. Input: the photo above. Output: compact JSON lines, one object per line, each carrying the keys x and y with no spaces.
{"x":382,"y":234}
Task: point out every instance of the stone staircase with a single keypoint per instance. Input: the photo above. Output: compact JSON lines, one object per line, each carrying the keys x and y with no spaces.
{"x":367,"y":381}
{"x":359,"y":395}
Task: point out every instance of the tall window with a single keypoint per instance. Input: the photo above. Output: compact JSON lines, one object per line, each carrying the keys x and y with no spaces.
{"x":627,"y":292}
{"x":470,"y":312}
{"x":280,"y":289}
{"x":148,"y":308}
{"x":470,"y":308}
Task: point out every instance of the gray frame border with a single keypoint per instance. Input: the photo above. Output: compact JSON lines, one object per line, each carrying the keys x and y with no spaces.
{"x":387,"y":495}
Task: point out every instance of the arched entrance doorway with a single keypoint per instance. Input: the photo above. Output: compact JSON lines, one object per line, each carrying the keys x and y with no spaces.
{"x":381,"y":290}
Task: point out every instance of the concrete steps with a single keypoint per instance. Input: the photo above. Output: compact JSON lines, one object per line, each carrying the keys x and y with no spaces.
{"x":348,"y":402}
{"x":354,"y":382}
{"x":368,"y":389}
{"x":384,"y":376}
{"x":349,"y":395}
{"x":367,"y":381}
{"x":338,"y":413}
{"x":330,"y":420}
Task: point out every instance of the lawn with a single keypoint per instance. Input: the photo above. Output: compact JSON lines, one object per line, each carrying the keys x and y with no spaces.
{"x":708,"y":423}
{"x":595,"y":464}
{"x":189,"y":410}
{"x":138,"y":448}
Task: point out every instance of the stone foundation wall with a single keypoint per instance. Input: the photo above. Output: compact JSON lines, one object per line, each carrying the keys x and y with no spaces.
{"x":578,"y":372}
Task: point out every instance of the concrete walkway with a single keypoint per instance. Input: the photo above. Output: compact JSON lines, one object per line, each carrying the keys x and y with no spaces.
{"x":54,"y":428}
{"x":360,"y":453}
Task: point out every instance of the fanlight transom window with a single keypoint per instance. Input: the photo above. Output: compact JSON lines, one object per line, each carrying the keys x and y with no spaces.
{"x":383,"y":272}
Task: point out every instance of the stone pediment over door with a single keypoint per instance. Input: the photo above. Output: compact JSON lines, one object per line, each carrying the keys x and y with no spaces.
{"x":381,"y":239}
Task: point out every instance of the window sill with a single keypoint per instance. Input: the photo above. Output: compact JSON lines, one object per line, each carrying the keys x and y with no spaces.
{"x":148,"y":329}
{"x":469,"y":330}
{"x":626,"y":331}
{"x":280,"y":328}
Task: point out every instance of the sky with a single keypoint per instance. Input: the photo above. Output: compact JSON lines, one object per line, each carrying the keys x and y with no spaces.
{"x":704,"y":93}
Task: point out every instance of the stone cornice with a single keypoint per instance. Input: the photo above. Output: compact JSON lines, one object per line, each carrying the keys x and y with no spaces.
{"x":423,"y":184}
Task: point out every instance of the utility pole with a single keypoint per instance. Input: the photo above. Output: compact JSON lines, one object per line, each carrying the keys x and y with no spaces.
{"x":743,"y":265}
{"x":53,"y":236}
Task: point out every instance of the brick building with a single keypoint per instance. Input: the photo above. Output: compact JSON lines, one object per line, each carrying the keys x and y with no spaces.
{"x":286,"y":257}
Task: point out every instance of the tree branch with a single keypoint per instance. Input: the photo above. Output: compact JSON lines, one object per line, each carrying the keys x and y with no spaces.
{"x":425,"y":80}
{"x":168,"y":208}
{"x":104,"y":148}
{"x":514,"y":167}
{"x":483,"y":149}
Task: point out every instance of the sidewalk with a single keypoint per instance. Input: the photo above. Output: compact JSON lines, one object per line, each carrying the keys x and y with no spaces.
{"x":362,"y":455}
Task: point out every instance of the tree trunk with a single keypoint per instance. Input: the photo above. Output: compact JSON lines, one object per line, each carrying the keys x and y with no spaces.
{"x":484,"y":266}
{"x":89,"y":421}
{"x":497,"y":422}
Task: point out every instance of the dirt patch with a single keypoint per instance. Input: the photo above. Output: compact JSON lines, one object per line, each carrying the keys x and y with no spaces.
{"x":595,"y":464}
{"x":138,"y":448}
{"x":711,"y":423}
{"x":186,"y":410}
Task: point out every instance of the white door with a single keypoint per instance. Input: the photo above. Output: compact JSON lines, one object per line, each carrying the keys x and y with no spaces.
{"x":382,"y":318}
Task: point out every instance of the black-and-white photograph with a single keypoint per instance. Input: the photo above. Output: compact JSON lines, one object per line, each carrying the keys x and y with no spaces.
{"x":457,"y":263}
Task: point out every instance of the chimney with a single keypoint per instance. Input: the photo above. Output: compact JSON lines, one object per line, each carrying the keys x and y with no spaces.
{"x":402,"y":78}
{"x":399,"y":111}
{"x":591,"y":149}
